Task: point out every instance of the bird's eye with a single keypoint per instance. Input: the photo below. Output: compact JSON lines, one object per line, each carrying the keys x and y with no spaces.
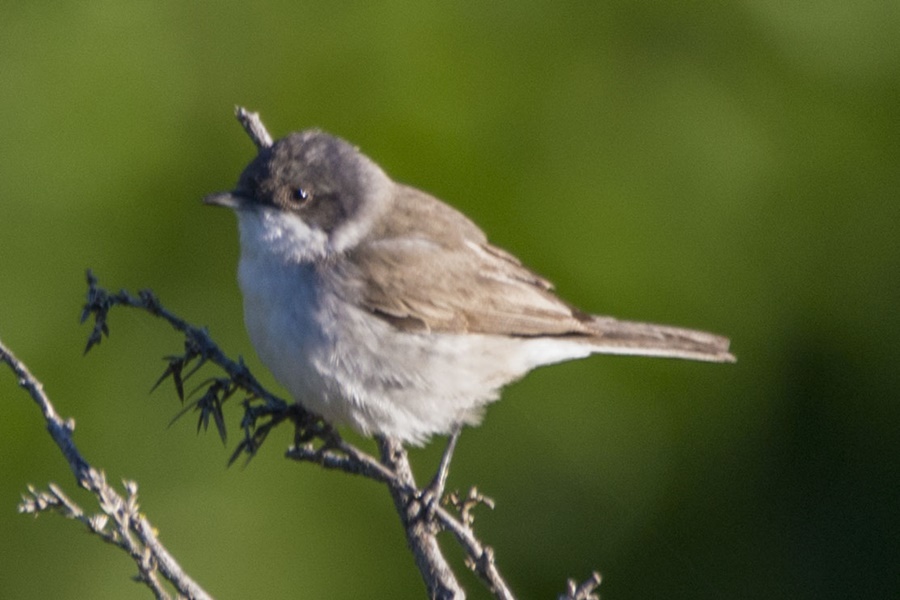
{"x":300,"y":195}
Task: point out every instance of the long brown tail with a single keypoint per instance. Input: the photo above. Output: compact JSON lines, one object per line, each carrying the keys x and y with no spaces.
{"x":612,"y":336}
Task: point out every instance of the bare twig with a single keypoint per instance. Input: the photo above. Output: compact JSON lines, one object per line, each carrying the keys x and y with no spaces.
{"x":254,"y":127}
{"x":464,"y":504}
{"x":480,"y":558}
{"x":584,"y":591}
{"x":339,"y":455}
{"x":420,"y":532}
{"x":131,"y":531}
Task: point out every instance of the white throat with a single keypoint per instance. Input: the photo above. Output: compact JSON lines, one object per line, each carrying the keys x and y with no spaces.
{"x":268,"y":233}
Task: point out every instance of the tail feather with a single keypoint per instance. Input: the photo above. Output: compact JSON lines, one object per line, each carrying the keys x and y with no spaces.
{"x":612,"y":336}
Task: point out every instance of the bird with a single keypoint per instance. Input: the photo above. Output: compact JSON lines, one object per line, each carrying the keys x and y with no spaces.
{"x":382,"y":308}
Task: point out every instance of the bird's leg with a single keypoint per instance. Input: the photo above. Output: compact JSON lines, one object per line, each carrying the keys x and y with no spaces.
{"x":432,"y":494}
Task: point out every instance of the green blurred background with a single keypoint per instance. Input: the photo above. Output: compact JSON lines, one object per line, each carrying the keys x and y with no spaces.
{"x":724,"y":165}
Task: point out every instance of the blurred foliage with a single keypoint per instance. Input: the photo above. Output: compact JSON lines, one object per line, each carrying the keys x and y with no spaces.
{"x":724,"y":165}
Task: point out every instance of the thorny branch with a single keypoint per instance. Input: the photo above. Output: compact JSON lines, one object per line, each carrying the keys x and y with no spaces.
{"x":315,"y":441}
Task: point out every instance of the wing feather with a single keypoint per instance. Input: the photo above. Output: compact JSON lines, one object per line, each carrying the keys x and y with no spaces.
{"x":466,"y":288}
{"x":426,"y":267}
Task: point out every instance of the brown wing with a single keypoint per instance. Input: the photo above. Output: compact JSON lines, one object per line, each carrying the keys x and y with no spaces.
{"x":428,"y":267}
{"x":418,"y":284}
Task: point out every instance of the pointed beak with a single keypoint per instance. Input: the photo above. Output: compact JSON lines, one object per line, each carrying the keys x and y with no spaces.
{"x":233,"y":200}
